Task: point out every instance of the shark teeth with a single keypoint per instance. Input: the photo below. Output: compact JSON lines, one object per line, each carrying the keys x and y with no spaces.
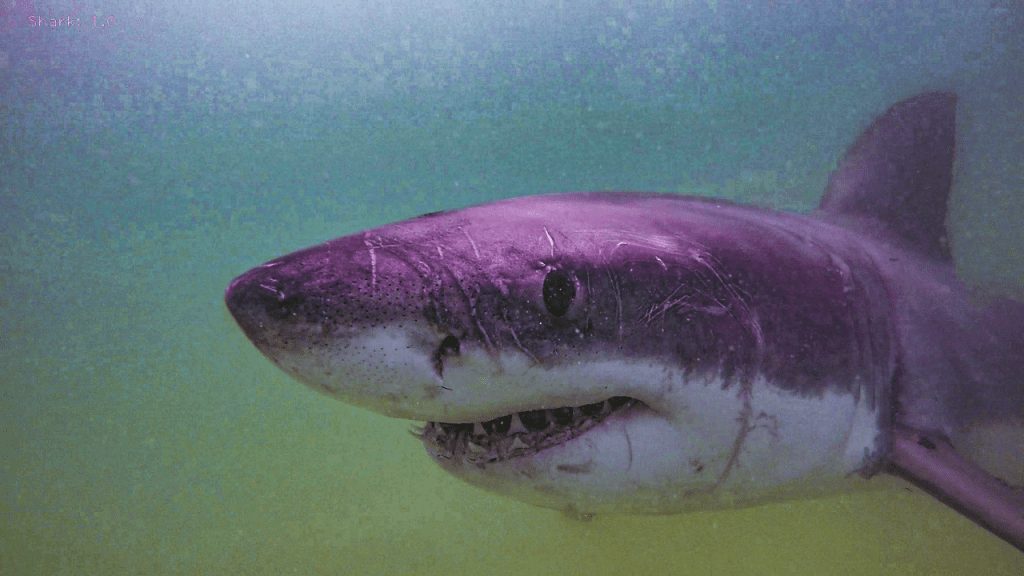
{"x":517,"y":434}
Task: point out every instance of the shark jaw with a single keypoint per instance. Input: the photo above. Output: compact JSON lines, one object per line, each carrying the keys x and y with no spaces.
{"x":518,"y":434}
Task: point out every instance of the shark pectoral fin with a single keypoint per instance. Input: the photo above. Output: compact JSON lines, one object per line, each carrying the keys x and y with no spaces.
{"x":933,"y":464}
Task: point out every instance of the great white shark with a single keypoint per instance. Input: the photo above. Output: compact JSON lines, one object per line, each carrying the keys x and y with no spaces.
{"x":649,"y":353}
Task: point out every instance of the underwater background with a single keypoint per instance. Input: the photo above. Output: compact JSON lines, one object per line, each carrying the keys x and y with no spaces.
{"x":152,"y":151}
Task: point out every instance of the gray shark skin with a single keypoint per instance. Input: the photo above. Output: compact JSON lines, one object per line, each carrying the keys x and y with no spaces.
{"x":655,"y":353}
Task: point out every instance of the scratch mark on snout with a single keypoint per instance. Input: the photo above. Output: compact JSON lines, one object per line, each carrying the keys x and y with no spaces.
{"x":373,"y":264}
{"x":476,"y":252}
{"x":551,"y":241}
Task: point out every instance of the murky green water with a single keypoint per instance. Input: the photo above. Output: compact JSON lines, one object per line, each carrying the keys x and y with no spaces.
{"x":142,"y":433}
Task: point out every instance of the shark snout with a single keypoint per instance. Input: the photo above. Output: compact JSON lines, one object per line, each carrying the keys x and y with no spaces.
{"x":253,"y":298}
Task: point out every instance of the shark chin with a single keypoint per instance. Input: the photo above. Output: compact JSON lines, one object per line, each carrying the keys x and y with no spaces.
{"x":645,"y":353}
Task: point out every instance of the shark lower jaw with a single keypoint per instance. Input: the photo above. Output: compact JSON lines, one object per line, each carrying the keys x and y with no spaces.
{"x":614,"y":456}
{"x":519,"y":434}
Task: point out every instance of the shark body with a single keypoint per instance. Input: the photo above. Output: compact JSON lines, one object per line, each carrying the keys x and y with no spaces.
{"x":652,"y":353}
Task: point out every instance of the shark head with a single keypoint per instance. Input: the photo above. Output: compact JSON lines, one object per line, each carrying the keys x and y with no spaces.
{"x":597,"y":352}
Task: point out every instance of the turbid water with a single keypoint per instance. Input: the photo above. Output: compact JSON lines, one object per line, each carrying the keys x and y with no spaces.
{"x":142,"y":433}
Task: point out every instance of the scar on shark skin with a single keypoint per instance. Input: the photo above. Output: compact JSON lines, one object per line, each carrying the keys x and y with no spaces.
{"x":741,"y":437}
{"x":476,"y":252}
{"x":551,"y":241}
{"x":368,"y":241}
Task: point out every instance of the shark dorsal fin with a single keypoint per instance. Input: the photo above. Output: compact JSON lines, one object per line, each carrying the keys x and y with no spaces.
{"x":898,"y":174}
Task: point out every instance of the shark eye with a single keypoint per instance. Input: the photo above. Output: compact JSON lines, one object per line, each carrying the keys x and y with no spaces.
{"x":559,"y":291}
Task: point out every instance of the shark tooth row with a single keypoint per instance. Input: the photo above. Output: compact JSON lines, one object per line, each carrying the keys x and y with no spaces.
{"x":516,"y":434}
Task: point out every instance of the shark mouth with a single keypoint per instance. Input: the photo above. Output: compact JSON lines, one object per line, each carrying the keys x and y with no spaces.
{"x":518,"y":434}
